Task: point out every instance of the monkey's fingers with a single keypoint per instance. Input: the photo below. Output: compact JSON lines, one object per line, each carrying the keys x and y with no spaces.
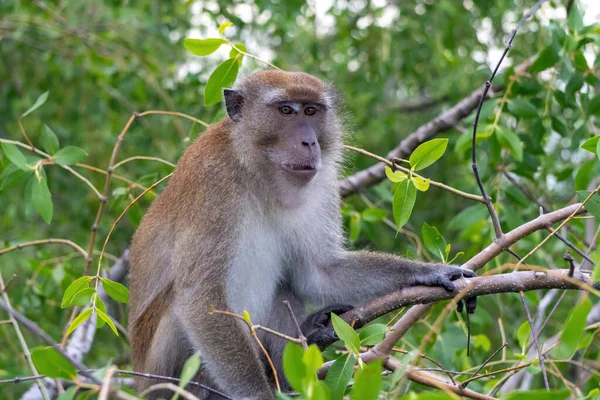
{"x":470,"y":302}
{"x":323,"y":337}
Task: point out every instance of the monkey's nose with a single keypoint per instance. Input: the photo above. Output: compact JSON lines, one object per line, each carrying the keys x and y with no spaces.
{"x":308,"y":144}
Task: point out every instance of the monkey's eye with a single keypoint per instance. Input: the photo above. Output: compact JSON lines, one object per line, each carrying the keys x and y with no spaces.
{"x":310,"y":110}
{"x":286,"y":110}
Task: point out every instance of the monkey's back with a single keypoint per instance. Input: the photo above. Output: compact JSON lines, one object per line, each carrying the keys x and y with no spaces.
{"x":199,"y":181}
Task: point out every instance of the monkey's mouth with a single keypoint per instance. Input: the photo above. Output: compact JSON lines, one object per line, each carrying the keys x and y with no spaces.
{"x":304,"y":171}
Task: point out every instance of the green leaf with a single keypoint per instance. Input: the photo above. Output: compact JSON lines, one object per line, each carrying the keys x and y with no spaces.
{"x":222,"y":77}
{"x":593,"y":107}
{"x":12,"y":177}
{"x":547,"y":58}
{"x":69,"y":155}
{"x":354,"y":226}
{"x":79,"y":320}
{"x":83,"y":297}
{"x":51,"y":363}
{"x":313,"y":359}
{"x":427,"y":153}
{"x":15,"y":156}
{"x":540,"y":394}
{"x":395,"y":176}
{"x":575,"y":18}
{"x":49,"y":140}
{"x":115,"y":290}
{"x":100,"y":306}
{"x":40,"y":100}
{"x":68,"y":394}
{"x":41,"y":198}
{"x":404,"y":202}
{"x":523,"y":334}
{"x":573,"y":331}
{"x":510,"y":140}
{"x":598,"y":149}
{"x":367,"y":382}
{"x":592,"y":205}
{"x":190,"y":368}
{"x":293,"y":366}
{"x":522,"y":108}
{"x":108,"y":321}
{"x":434,"y":241}
{"x":468,"y":217}
{"x":422,"y":184}
{"x":236,"y":54}
{"x":203,"y":47}
{"x":346,"y":333}
{"x":224,"y":26}
{"x":374,"y":214}
{"x":73,"y":288}
{"x":372,"y":334}
{"x":339,"y":375}
{"x":574,"y":84}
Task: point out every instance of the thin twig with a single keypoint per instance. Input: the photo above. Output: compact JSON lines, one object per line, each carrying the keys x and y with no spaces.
{"x":295,"y":320}
{"x":44,"y":241}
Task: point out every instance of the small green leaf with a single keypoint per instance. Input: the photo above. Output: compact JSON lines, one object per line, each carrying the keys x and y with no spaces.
{"x":573,"y":331}
{"x":69,"y":155}
{"x":224,"y":26}
{"x":203,"y":47}
{"x":293,"y":366}
{"x":355,"y":226}
{"x":372,"y":334}
{"x":115,"y":290}
{"x":41,"y":198}
{"x":108,"y":321}
{"x":523,"y":334}
{"x":40,"y":100}
{"x":79,"y":320}
{"x":339,"y":375}
{"x":367,"y":382}
{"x":51,"y":363}
{"x":540,"y":394}
{"x":190,"y":368}
{"x":346,"y":333}
{"x":404,"y":202}
{"x":422,"y":184}
{"x":574,"y":84}
{"x":575,"y":18}
{"x":592,"y":205}
{"x":427,"y":153}
{"x":15,"y":156}
{"x":434,"y":241}
{"x":247,"y":317}
{"x":395,"y":176}
{"x":593,"y":107}
{"x":68,"y":394}
{"x":522,"y":108}
{"x":547,"y":58}
{"x":222,"y":77}
{"x":510,"y":140}
{"x":374,"y":214}
{"x":100,"y":306}
{"x":73,"y":288}
{"x":49,"y":140}
{"x":83,"y":297}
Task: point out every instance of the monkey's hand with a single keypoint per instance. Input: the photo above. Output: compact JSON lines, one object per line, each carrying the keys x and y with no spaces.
{"x":443,"y":275}
{"x":315,"y":329}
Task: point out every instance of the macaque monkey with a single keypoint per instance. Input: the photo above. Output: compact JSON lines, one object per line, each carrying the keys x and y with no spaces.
{"x":251,"y":217}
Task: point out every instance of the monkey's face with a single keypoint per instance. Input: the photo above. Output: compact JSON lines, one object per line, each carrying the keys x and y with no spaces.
{"x":289,"y":124}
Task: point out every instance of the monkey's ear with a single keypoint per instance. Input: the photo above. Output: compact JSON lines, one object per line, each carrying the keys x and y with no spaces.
{"x":233,"y":102}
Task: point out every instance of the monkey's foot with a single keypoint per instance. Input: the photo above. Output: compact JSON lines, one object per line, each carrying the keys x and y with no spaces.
{"x":315,"y":325}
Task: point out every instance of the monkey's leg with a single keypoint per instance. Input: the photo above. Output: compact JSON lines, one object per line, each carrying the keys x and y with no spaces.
{"x":227,"y":350}
{"x":166,"y":355}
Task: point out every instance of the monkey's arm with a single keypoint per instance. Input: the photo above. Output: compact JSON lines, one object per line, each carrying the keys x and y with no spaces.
{"x":354,"y":277}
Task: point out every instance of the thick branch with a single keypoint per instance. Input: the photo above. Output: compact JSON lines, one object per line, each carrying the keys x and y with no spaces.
{"x":483,"y":285}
